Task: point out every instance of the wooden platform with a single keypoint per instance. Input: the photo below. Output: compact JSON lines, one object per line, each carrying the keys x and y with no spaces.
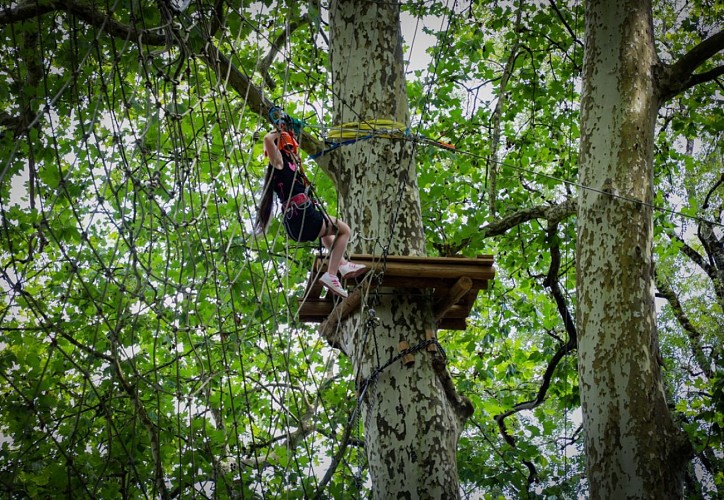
{"x":456,"y":282}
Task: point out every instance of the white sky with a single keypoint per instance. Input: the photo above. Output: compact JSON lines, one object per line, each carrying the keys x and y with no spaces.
{"x":416,"y":40}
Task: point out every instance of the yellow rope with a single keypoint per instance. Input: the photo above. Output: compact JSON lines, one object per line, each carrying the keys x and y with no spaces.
{"x":384,"y":128}
{"x":355,"y":130}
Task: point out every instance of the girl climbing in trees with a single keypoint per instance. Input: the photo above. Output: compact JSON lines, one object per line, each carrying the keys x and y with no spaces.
{"x":302,"y":217}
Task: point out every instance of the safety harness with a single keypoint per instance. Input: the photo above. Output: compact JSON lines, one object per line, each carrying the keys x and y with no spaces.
{"x":289,"y":129}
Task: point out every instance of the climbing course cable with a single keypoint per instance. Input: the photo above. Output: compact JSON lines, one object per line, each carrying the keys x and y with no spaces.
{"x":162,"y":186}
{"x":156,"y":327}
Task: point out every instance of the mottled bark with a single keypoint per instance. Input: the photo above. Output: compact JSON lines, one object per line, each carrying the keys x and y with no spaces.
{"x":633,"y":449}
{"x":412,"y":420}
{"x":500,"y":107}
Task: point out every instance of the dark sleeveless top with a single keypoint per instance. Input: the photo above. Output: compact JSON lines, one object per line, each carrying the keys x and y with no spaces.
{"x":288,"y":181}
{"x":302,"y":221}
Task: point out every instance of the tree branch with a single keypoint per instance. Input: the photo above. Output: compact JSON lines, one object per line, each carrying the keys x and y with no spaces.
{"x":462,"y":405}
{"x":694,"y":335}
{"x":25,"y":11}
{"x":86,"y":13}
{"x":678,"y":77}
{"x":715,"y":251}
{"x":711,"y":191}
{"x":217,"y":20}
{"x":225,"y":70}
{"x":692,"y":254}
{"x":551,"y":281}
{"x":492,"y":162}
{"x":274,"y":50}
{"x":337,"y":458}
{"x":712,"y":244}
{"x":565,"y":23}
{"x":552,"y":213}
{"x":542,"y":391}
{"x":143,"y":416}
{"x":256,"y":101}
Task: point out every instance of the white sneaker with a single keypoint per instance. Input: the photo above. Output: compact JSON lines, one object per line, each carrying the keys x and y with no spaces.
{"x":351,"y":270}
{"x":332,"y":282}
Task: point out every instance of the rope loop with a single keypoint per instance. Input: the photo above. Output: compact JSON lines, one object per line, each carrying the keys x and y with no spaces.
{"x":366,"y":129}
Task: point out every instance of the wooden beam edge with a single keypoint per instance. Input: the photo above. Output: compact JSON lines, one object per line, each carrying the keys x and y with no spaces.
{"x":340,"y":312}
{"x":458,"y":291}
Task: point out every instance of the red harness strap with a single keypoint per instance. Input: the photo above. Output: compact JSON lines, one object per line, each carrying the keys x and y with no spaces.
{"x":297,"y":199}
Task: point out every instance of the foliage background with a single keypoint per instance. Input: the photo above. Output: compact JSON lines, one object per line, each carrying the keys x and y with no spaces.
{"x":149,"y":341}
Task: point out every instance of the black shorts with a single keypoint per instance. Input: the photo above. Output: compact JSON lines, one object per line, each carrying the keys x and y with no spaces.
{"x":303,"y":224}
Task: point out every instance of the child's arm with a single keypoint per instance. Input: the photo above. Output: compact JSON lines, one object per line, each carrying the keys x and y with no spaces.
{"x":271,"y":149}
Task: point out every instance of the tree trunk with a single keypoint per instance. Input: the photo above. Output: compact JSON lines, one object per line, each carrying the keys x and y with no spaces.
{"x":411,"y":427}
{"x":633,"y":449}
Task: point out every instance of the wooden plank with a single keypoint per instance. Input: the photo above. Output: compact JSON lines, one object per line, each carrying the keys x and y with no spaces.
{"x":468,"y":300}
{"x":434,"y":271}
{"x":316,"y":306}
{"x":452,"y":324}
{"x":424,"y":269}
{"x":433,"y":267}
{"x":341,"y":311}
{"x":457,"y":311}
{"x":456,"y":281}
{"x":318,"y":311}
{"x":439,"y":293}
{"x":314,"y":289}
{"x":459,"y":289}
{"x":422,"y":259}
{"x":422,"y":282}
{"x":312,"y":319}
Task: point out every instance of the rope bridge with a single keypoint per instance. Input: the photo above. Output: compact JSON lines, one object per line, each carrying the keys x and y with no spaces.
{"x":149,"y":345}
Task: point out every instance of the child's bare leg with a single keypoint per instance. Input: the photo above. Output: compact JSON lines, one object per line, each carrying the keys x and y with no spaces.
{"x":335,"y":240}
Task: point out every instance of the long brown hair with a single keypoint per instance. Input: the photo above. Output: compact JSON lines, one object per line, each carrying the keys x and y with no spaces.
{"x":265,"y":206}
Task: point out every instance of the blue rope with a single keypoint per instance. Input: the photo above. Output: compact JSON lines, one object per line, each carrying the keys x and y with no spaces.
{"x":335,"y":145}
